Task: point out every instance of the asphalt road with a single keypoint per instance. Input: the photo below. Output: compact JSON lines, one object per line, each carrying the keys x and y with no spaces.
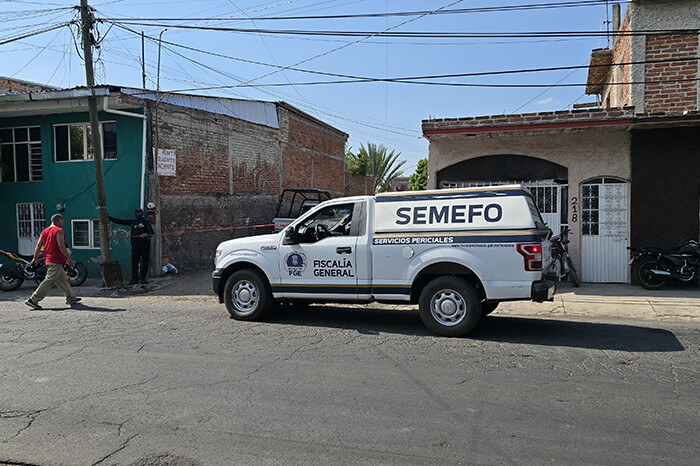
{"x":166,"y":377}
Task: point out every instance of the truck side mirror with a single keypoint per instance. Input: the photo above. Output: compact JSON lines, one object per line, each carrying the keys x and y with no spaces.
{"x":291,"y":236}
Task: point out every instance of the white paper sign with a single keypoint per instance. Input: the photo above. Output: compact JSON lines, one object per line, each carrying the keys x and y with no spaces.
{"x":166,"y":162}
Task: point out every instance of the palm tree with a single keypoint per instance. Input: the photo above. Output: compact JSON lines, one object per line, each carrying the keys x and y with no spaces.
{"x":374,"y":161}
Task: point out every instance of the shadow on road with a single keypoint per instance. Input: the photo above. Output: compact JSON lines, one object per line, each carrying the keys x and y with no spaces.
{"x":518,"y":330}
{"x":547,"y":332}
{"x":79,"y":307}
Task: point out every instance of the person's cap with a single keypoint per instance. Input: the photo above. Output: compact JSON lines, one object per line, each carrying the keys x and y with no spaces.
{"x":138,"y":211}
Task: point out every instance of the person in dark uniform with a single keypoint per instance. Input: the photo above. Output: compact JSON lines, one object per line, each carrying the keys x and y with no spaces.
{"x":141,"y":230}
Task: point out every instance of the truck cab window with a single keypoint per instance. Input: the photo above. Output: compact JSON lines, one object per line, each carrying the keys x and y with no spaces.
{"x":334,"y":220}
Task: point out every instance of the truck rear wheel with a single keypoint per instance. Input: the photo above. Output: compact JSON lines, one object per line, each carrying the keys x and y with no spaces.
{"x":450,"y":306}
{"x":247,"y":295}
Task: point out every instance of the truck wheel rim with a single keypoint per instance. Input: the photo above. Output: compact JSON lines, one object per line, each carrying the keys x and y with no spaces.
{"x":245,"y":296}
{"x":448,"y":307}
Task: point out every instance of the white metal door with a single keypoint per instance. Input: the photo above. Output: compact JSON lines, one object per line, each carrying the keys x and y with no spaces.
{"x":31,"y":221}
{"x":604,"y":231}
{"x":548,"y":196}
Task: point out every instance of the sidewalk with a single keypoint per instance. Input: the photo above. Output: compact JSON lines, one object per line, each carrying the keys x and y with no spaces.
{"x":592,"y":300}
{"x":614,"y":301}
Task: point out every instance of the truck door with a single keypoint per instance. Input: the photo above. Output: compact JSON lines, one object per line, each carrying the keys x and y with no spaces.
{"x":318,"y":259}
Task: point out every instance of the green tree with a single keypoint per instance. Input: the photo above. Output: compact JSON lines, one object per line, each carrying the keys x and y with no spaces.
{"x":419,"y":179}
{"x":374,"y":161}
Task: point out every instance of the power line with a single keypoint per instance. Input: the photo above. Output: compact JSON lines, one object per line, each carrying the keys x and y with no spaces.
{"x":502,"y":8}
{"x":37,"y":32}
{"x":357,"y":41}
{"x":433,"y":83}
{"x":413,"y":34}
{"x":413,"y":78}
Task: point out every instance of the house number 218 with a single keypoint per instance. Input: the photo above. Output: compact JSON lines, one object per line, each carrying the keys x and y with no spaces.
{"x":574,"y":209}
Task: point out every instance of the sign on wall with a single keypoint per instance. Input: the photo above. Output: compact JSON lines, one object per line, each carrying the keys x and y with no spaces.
{"x":166,"y":162}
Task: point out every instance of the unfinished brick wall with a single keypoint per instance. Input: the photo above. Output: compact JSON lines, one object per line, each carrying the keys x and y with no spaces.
{"x":313,"y":153}
{"x":12,"y":86}
{"x":674,"y":96}
{"x":620,"y":95}
{"x":358,"y":185}
{"x":217,"y":154}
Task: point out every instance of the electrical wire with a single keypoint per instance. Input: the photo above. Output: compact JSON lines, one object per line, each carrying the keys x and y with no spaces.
{"x":433,"y":83}
{"x":37,"y":32}
{"x":413,"y":78}
{"x":535,"y":6}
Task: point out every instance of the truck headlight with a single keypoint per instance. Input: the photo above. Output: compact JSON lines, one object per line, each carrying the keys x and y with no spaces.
{"x":216,"y":257}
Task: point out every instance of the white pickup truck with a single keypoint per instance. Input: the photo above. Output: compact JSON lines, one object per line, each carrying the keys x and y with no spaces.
{"x":457,"y":253}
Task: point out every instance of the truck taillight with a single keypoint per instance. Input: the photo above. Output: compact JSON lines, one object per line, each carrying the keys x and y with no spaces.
{"x":532,"y":253}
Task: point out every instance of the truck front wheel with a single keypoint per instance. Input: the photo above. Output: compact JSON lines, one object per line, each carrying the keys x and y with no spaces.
{"x":247,"y":295}
{"x":450,"y":306}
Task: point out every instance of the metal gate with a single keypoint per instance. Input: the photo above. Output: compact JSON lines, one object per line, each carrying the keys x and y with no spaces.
{"x":551,"y":198}
{"x":31,"y":221}
{"x":604,"y":231}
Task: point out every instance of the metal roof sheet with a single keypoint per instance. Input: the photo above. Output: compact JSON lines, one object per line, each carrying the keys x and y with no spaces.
{"x":262,"y":113}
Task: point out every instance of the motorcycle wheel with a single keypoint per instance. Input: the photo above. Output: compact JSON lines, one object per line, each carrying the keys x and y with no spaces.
{"x":644,"y":275}
{"x":77,"y":275}
{"x":8,"y":283}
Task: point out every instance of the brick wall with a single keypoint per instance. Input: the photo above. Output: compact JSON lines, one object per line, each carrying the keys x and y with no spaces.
{"x":313,"y":153}
{"x":13,"y":86}
{"x":524,"y":120}
{"x":217,"y":154}
{"x":620,"y":96}
{"x":227,"y":175}
{"x":358,"y":185}
{"x":673,"y":97}
{"x":229,"y":172}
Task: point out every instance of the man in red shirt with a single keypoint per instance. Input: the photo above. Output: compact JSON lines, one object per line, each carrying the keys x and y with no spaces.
{"x":53,"y":239}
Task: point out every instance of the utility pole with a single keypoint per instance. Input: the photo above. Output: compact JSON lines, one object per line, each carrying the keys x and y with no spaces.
{"x":106,"y":266}
{"x":143,"y":60}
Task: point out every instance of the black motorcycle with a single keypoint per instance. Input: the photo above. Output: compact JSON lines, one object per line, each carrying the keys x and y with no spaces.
{"x":654,"y":267}
{"x":561,"y":261}
{"x":13,"y":275}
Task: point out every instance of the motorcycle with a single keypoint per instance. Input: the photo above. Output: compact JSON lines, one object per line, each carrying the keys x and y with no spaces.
{"x":654,"y":267}
{"x":561,"y":261}
{"x":13,"y":275}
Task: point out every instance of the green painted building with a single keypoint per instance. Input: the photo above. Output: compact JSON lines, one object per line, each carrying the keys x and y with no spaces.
{"x":46,"y":167}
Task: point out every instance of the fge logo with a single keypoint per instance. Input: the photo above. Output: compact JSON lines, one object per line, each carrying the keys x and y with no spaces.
{"x":295,"y":263}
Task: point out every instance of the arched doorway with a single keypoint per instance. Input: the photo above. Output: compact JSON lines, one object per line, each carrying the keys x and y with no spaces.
{"x":604,"y":231}
{"x":548,"y":181}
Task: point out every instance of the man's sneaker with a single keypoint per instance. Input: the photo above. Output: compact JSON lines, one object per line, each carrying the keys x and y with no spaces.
{"x":75,"y":301}
{"x":144,"y":281}
{"x":32,"y":304}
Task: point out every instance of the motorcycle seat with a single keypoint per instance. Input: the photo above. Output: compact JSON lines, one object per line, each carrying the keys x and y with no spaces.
{"x":690,"y":248}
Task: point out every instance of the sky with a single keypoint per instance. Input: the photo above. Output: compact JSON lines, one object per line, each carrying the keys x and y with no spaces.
{"x":387,"y":113}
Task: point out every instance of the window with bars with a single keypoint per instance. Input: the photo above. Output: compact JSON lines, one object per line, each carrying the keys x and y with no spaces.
{"x":73,"y":142}
{"x":20,"y":154}
{"x":85,"y":233}
{"x":590,"y":212}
